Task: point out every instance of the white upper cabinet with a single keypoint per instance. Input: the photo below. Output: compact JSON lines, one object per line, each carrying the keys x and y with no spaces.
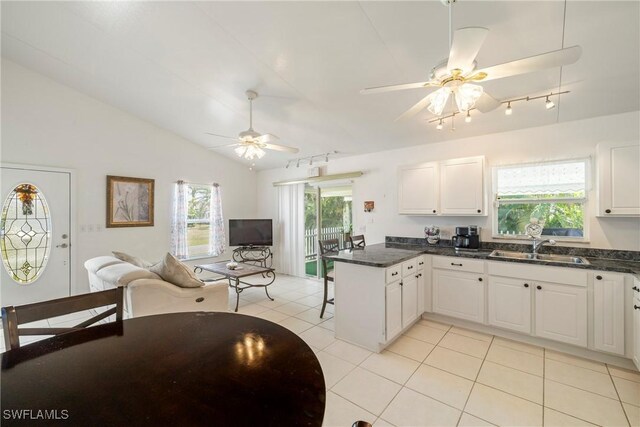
{"x":462,"y":186}
{"x":418,"y":189}
{"x":451,"y":187}
{"x":618,"y":179}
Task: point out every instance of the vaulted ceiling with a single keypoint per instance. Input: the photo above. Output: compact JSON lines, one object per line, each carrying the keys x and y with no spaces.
{"x":185,"y":66}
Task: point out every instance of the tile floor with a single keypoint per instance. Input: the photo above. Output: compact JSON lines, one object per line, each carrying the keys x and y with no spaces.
{"x":442,"y":375}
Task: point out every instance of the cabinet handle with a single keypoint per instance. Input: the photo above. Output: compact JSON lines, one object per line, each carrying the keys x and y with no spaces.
{"x":417,"y":276}
{"x":434,"y":211}
{"x":538,"y":287}
{"x":459,"y":265}
{"x":635,"y":288}
{"x":599,"y":277}
{"x":401,"y":283}
{"x":410,"y":267}
{"x":421,"y":263}
{"x":636,"y":307}
{"x":607,"y":211}
{"x":479,"y":210}
{"x":394,"y":274}
{"x":420,"y":275}
{"x":526,"y":285}
{"x":479,"y":279}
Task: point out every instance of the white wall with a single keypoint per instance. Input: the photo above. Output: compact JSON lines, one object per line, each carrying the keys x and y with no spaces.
{"x":48,"y":124}
{"x":379,"y":182}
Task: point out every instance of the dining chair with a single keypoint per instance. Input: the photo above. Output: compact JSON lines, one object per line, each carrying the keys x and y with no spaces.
{"x":329,"y":246}
{"x":357,"y":241}
{"x":12,"y":316}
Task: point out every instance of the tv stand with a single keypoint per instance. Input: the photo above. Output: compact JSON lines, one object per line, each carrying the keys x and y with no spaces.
{"x":256,"y":255}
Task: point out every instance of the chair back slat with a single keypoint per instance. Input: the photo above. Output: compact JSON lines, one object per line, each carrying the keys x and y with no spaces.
{"x":12,"y":316}
{"x":357,"y":241}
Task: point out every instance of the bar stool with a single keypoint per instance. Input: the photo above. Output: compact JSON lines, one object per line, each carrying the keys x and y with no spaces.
{"x":357,"y":241}
{"x":327,"y":247}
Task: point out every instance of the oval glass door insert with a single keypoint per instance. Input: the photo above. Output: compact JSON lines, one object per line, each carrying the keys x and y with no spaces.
{"x":25,"y":233}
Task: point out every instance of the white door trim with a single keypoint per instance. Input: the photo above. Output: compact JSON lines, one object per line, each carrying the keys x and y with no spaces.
{"x":72,"y":210}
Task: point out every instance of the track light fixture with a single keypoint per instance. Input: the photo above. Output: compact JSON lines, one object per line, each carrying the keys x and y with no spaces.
{"x":549,"y":104}
{"x":311,"y":159}
{"x":509,"y":110}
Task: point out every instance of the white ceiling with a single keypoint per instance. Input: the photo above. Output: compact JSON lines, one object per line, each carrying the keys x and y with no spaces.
{"x":185,"y":66}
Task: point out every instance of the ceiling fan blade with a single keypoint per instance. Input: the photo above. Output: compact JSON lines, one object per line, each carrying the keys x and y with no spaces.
{"x":552,"y":59}
{"x":419,"y":106}
{"x":266,"y":137}
{"x":278,"y":147}
{"x":222,"y":136}
{"x":486,"y":103}
{"x":465,"y":47}
{"x":224,"y":146}
{"x":390,"y":88}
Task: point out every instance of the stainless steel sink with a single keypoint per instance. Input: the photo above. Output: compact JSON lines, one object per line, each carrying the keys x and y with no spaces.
{"x":567,"y":259}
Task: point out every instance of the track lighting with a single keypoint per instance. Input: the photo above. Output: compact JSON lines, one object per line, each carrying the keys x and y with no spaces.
{"x":549,"y":104}
{"x":509,"y":110}
{"x":311,"y":159}
{"x":468,"y":118}
{"x":439,"y":126}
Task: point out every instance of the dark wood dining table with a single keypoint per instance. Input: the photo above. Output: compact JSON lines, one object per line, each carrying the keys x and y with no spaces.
{"x":186,"y":369}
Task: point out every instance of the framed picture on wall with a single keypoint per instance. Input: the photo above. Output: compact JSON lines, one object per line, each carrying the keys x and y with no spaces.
{"x":129,"y":202}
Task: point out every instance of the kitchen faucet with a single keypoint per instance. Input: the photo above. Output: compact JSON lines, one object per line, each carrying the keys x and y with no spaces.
{"x":538,"y":243}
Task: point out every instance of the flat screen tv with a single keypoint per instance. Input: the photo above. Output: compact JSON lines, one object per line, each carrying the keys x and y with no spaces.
{"x":250,"y":232}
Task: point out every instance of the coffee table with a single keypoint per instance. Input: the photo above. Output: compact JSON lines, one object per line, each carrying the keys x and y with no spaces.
{"x":242,"y":271}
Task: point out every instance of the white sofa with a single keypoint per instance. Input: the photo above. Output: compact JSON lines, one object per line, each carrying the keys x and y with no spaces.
{"x":146,"y":293}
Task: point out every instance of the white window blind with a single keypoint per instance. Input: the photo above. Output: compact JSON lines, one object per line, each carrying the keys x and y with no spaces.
{"x":559,"y":179}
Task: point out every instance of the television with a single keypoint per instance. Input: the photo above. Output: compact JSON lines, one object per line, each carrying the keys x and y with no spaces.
{"x":250,"y":232}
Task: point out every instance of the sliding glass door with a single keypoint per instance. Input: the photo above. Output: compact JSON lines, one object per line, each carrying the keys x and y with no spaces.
{"x":328,"y":215}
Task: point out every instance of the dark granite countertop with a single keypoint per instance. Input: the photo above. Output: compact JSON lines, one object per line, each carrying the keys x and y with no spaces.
{"x":387,"y":254}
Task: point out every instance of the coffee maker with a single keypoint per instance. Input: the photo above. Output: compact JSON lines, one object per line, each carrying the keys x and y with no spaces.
{"x":466,"y":238}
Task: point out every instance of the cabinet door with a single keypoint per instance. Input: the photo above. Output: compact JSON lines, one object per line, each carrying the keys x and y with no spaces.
{"x":561,"y":313}
{"x":510,"y":303}
{"x":618,"y":177}
{"x":462,"y":187}
{"x":393,"y":309}
{"x":458,"y":294}
{"x":608,"y":312}
{"x":409,"y":299}
{"x":421,"y":292}
{"x":418,"y":189}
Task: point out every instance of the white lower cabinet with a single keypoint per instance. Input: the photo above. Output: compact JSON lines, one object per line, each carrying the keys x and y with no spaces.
{"x":510,"y":303}
{"x":636,"y":326}
{"x":608,"y":312}
{"x":409,"y":299}
{"x":458,"y":294}
{"x":393,"y":308}
{"x":561,"y":313}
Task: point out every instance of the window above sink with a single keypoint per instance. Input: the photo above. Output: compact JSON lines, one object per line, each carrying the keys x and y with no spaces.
{"x":554,"y":193}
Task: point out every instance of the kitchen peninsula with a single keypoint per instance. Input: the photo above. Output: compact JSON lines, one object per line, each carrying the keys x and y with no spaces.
{"x":383,"y":289}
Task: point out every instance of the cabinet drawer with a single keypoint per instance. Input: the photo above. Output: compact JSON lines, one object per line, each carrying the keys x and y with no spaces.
{"x":409,"y":267}
{"x":421,"y":262}
{"x":459,"y":264}
{"x":552,"y":274}
{"x":394,"y":273}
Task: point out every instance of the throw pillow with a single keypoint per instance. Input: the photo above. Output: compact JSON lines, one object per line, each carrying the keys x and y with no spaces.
{"x":173,"y":271}
{"x":138,"y":262}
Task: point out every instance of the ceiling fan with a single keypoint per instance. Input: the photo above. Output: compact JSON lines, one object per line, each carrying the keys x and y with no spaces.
{"x":251,"y":144}
{"x":454,"y":76}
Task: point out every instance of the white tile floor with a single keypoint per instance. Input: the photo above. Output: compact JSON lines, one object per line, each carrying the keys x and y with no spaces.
{"x":441,"y":375}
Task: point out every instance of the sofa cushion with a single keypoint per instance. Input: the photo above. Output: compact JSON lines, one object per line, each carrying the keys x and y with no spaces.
{"x":123,"y":273}
{"x":95,"y":264}
{"x":138,"y":262}
{"x":173,"y":271}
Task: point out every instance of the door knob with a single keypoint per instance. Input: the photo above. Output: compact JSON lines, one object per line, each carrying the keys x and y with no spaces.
{"x":526,"y":285}
{"x":636,"y":307}
{"x":538,"y":287}
{"x":63,"y":245}
{"x":635,"y":288}
{"x":607,"y":211}
{"x":599,"y":277}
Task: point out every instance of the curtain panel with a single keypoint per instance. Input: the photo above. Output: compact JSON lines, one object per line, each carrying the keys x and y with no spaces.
{"x":179,"y":247}
{"x":291,"y":229}
{"x":217,"y":236}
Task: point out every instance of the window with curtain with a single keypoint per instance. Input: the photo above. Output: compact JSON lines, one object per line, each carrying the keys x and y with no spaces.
{"x":553,"y":193}
{"x":197,"y":225}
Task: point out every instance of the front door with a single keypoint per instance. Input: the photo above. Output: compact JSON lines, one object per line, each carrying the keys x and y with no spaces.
{"x":35,"y":226}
